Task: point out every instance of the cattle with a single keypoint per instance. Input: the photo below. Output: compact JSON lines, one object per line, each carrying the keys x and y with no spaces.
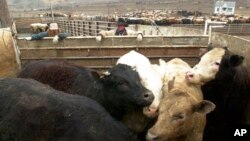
{"x":103,"y":33}
{"x":227,"y":85}
{"x":119,"y":90}
{"x":38,"y":27}
{"x":199,"y":20}
{"x":186,"y":20}
{"x":32,"y":111}
{"x":182,"y":110}
{"x":149,"y":75}
{"x":208,"y":66}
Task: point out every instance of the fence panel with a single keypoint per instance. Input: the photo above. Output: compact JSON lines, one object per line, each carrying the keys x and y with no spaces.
{"x":85,"y":28}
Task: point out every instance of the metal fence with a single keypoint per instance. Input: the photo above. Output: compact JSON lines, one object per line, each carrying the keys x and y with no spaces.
{"x":234,"y":29}
{"x":193,"y":26}
{"x":231,"y":29}
{"x":85,"y":28}
{"x":91,"y":28}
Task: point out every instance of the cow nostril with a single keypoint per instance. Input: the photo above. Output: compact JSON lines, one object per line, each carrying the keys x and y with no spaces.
{"x":148,"y":95}
{"x":152,"y":137}
{"x":155,"y":139}
{"x":190,"y":75}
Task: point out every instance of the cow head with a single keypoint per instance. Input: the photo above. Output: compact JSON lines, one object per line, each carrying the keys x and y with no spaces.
{"x":151,"y":78}
{"x":123,"y":84}
{"x":149,"y":75}
{"x":179,"y":113}
{"x":216,"y":61}
{"x":229,"y":67}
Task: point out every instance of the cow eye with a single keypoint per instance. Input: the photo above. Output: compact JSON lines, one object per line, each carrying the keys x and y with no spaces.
{"x":217,"y":63}
{"x":121,"y":83}
{"x":179,"y":116}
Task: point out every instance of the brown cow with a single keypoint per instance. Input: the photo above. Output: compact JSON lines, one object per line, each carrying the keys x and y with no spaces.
{"x":182,"y":110}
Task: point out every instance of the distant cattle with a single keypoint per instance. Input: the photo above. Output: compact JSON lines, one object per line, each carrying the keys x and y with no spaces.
{"x":103,"y":33}
{"x":182,"y":110}
{"x":227,"y":84}
{"x":55,"y":14}
{"x":186,"y":21}
{"x":119,"y":90}
{"x":38,"y":27}
{"x":150,"y":77}
{"x":32,"y":111}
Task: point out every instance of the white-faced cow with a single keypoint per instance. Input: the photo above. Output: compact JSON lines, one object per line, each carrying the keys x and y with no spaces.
{"x":119,"y":90}
{"x":225,"y":81}
{"x":32,"y":111}
{"x":150,"y":77}
{"x":182,"y":110}
{"x":207,"y":67}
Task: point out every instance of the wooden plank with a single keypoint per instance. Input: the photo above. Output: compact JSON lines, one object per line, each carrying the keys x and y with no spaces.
{"x":85,"y":51}
{"x":102,"y":52}
{"x":107,"y":47}
{"x":107,"y":62}
{"x":116,"y":41}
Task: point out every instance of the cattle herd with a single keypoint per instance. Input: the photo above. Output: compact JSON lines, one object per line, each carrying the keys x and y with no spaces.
{"x":159,"y":17}
{"x":169,"y":17}
{"x":135,"y":100}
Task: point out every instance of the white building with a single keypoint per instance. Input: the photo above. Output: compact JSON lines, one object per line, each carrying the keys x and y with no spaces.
{"x":224,"y":7}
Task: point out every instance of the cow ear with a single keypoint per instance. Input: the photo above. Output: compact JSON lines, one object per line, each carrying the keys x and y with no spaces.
{"x":162,"y":62}
{"x":171,"y":84}
{"x":225,"y":47}
{"x":236,"y":60}
{"x":204,"y":107}
{"x":95,"y":75}
{"x":209,"y":47}
{"x":107,"y":78}
{"x":106,"y":73}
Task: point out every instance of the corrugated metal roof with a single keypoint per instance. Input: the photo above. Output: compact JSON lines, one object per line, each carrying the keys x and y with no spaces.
{"x":225,"y":4}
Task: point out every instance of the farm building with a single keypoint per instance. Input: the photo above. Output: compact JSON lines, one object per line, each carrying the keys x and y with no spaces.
{"x":224,"y":7}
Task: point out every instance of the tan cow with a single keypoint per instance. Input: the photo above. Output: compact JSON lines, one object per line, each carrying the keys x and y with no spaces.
{"x":182,"y":110}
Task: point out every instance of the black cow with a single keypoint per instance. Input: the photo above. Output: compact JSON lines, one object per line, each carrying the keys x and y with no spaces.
{"x":119,"y":90}
{"x":32,"y":111}
{"x":230,"y":93}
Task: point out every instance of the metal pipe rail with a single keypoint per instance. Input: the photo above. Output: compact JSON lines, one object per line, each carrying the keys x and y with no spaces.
{"x":85,"y":28}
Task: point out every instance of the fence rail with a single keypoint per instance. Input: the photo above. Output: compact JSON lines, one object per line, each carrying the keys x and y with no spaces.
{"x":91,"y":28}
{"x":231,"y":29}
{"x":234,"y":29}
{"x":85,"y":28}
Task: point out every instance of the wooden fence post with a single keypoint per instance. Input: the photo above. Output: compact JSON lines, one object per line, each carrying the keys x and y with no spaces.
{"x":83,"y":28}
{"x":109,"y":26}
{"x":90,"y":31}
{"x":97,"y":28}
